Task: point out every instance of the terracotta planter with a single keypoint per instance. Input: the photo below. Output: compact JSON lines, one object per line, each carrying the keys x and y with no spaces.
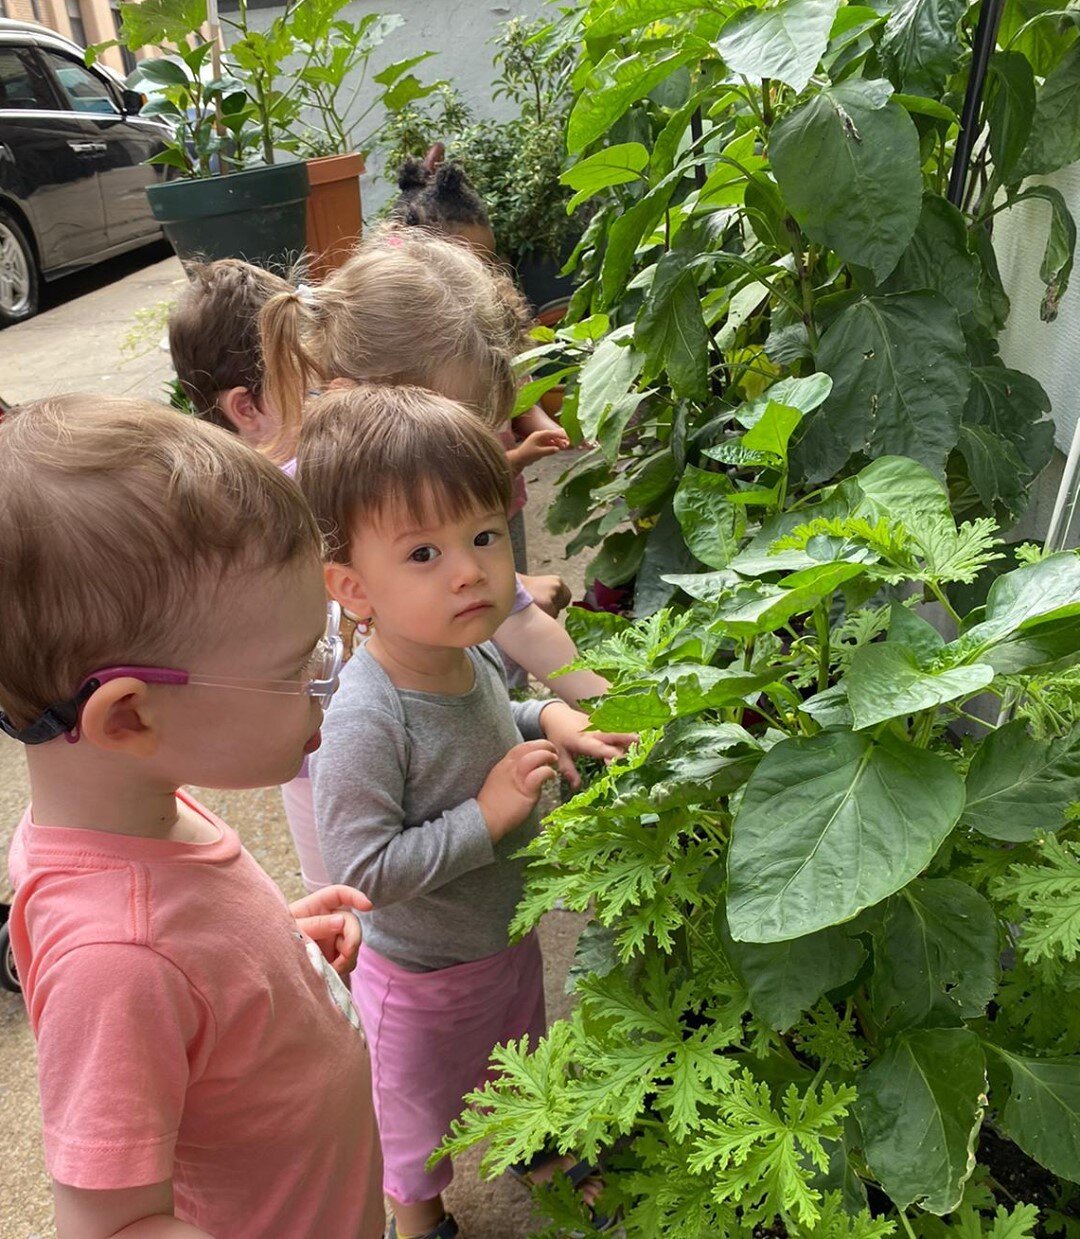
{"x":333,"y":211}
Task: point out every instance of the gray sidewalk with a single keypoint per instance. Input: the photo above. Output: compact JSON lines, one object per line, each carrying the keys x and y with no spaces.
{"x":75,"y":346}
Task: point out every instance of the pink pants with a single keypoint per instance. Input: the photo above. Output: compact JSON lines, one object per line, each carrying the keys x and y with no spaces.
{"x":430,"y":1035}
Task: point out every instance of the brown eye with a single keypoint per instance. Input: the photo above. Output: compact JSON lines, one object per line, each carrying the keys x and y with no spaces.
{"x":423,"y":554}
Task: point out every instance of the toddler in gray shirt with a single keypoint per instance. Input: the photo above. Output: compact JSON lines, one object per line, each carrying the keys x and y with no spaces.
{"x":427,"y":781}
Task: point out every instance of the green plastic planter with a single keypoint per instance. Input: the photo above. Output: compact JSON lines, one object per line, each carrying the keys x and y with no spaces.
{"x":259,"y":215}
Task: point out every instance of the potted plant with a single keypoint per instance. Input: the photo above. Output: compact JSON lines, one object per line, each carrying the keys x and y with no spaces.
{"x":340,"y":128}
{"x":514,"y":164}
{"x":219,"y":203}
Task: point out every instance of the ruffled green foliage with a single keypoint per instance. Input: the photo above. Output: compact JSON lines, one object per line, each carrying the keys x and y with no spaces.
{"x":833,"y":939}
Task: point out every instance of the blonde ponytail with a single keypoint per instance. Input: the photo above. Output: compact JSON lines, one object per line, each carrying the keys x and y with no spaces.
{"x":288,"y":368}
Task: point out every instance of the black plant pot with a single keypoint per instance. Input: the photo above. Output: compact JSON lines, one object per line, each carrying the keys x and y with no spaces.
{"x":539,"y":278}
{"x":258,"y":215}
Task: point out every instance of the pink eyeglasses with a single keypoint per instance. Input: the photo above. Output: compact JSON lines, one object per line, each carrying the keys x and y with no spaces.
{"x":319,"y":680}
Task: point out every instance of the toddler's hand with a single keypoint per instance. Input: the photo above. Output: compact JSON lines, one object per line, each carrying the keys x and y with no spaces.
{"x":565,"y":727}
{"x":511,"y":790}
{"x":325,"y":916}
{"x":536,"y":446}
{"x":550,"y":593}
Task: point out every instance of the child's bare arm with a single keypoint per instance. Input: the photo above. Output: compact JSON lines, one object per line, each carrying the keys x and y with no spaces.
{"x":535,"y":447}
{"x":125,"y":1213}
{"x":541,"y":645}
{"x":535,"y":419}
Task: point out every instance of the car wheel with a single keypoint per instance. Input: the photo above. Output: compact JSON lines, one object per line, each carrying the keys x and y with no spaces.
{"x":20,"y":280}
{"x":9,"y":977}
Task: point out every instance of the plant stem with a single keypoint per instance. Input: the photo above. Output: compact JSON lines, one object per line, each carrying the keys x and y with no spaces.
{"x":751,"y":98}
{"x":939,"y":594}
{"x":821,"y":624}
{"x":905,"y":1223}
{"x":766,"y":101}
{"x":806,"y":285}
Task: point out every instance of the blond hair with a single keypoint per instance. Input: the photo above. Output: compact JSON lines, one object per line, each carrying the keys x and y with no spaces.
{"x":369,"y":451}
{"x":119,"y":520}
{"x":407,"y":308}
{"x":214,"y":332}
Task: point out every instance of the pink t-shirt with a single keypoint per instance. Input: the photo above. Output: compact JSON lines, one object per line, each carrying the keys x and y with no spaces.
{"x":185,"y":1030}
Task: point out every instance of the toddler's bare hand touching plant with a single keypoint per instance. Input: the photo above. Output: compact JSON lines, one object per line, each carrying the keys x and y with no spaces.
{"x":566,"y":727}
{"x":511,"y":790}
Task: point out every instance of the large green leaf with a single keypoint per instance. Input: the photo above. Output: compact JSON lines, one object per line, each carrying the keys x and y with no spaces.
{"x":624,"y":16}
{"x":938,"y":257}
{"x":885,"y":681}
{"x":625,"y":235}
{"x":803,"y":394}
{"x":920,"y":1108}
{"x":897,"y":488}
{"x":607,"y":385}
{"x":759,"y":608}
{"x":935,"y":955}
{"x":671,"y":330}
{"x":1042,"y":1113}
{"x":783,"y":42}
{"x":1055,"y":130}
{"x":612,"y":165}
{"x":833,"y":824}
{"x":921,"y":45}
{"x":609,"y":89}
{"x":847,"y":163}
{"x":710,"y":524}
{"x":998,"y":474}
{"x":1057,"y":262}
{"x":784,"y":979}
{"x":1010,"y":107}
{"x":1033,"y":28}
{"x":1027,"y":602}
{"x":1009,"y":403}
{"x":900,"y":378}
{"x":1018,"y":786}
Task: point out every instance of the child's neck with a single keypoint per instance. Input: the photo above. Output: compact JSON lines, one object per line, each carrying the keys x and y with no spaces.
{"x":65,"y":791}
{"x":426,"y":668}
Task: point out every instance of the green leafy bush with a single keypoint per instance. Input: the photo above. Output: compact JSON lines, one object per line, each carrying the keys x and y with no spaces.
{"x":769,"y":188}
{"x":515,"y":164}
{"x":833,"y":957}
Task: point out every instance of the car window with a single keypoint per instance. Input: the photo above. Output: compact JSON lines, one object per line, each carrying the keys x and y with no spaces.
{"x":85,"y":91}
{"x":22,"y":82}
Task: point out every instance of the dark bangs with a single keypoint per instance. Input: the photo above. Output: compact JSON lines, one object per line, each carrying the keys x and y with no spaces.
{"x":372,"y":454}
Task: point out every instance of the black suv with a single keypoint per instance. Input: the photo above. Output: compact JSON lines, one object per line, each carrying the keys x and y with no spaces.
{"x":73,"y":172}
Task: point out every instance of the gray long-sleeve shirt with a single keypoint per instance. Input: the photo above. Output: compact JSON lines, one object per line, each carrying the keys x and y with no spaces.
{"x":395,"y":784}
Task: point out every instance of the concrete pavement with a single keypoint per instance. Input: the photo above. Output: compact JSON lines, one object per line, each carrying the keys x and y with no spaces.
{"x":75,"y":345}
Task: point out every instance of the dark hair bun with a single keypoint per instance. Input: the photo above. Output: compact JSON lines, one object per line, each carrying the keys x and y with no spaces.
{"x":412,"y":175}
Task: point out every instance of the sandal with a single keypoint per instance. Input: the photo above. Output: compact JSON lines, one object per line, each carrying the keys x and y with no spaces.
{"x":577,"y":1174}
{"x":446,"y":1229}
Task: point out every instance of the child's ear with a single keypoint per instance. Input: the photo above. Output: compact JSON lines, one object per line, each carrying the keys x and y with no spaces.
{"x":118,"y":718}
{"x":242,"y":411}
{"x":345,"y":586}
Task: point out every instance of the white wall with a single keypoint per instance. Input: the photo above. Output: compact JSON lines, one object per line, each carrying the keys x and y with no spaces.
{"x":1048,"y":351}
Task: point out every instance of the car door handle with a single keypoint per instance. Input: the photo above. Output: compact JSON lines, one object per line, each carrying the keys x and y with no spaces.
{"x":88,"y":148}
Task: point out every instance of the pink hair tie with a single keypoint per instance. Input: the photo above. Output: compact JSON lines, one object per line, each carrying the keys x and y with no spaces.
{"x":394,"y":240}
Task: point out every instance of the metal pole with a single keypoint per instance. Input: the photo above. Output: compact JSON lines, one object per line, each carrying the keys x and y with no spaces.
{"x":981,"y":51}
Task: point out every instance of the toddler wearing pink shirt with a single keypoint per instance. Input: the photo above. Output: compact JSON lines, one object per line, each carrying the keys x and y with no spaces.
{"x":201,"y":1067}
